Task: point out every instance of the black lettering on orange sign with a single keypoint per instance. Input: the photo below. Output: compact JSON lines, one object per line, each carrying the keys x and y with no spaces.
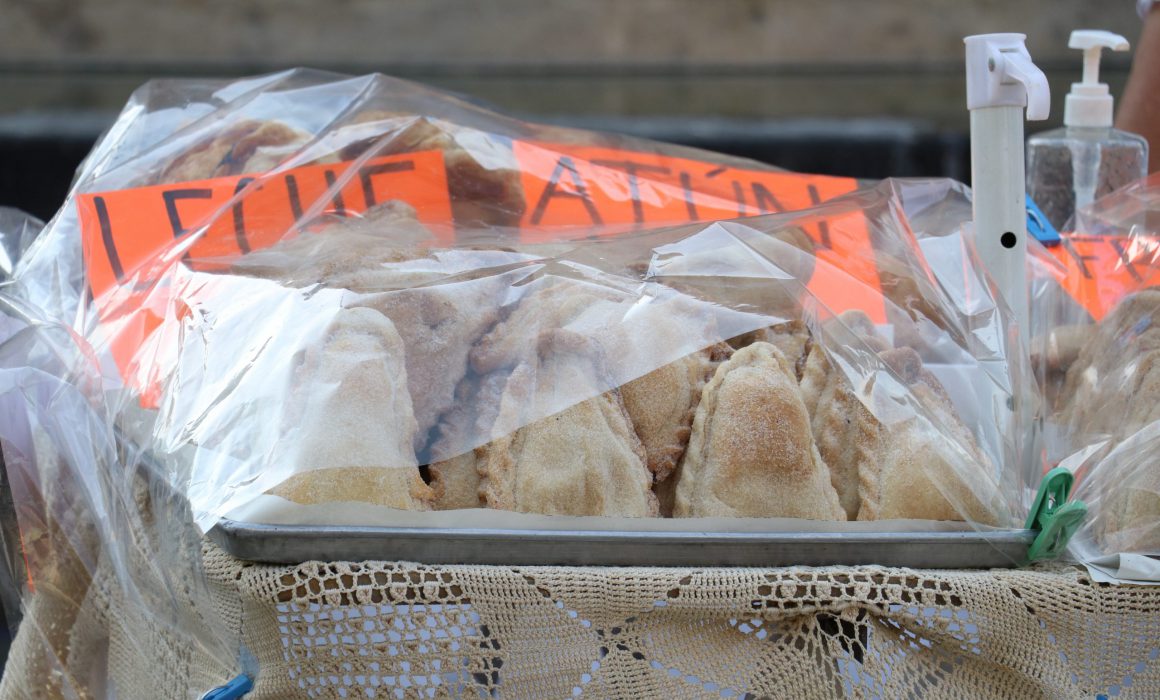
{"x":293,"y":196}
{"x":240,"y":216}
{"x":1080,"y":260}
{"x":336,"y":197}
{"x":762,"y":196}
{"x":687,"y":188}
{"x":739,"y":196}
{"x":823,"y":226}
{"x":107,"y":238}
{"x":1122,"y":251}
{"x":631,"y":169}
{"x":367,"y":172}
{"x":564,"y":164}
{"x":172,"y":197}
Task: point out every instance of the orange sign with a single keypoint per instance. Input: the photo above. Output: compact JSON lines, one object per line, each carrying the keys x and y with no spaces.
{"x":588,"y":187}
{"x":132,"y":239}
{"x":1101,"y":270}
{"x":124,"y":230}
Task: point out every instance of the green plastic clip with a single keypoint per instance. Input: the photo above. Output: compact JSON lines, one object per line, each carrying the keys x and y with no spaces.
{"x":1055,"y":517}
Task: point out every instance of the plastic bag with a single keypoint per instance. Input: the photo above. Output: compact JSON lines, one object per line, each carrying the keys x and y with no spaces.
{"x":95,"y":527}
{"x":1094,"y":349}
{"x":327,"y":299}
{"x":344,"y":299}
{"x":277,"y":262}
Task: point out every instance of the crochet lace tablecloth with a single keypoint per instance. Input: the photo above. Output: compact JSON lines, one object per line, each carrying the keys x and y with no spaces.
{"x":401,"y":630}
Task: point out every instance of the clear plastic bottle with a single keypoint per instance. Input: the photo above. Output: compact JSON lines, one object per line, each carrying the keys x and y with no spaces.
{"x":1068,"y":168}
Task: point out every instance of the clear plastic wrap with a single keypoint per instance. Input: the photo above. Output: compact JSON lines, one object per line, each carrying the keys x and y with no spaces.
{"x":1094,"y":350}
{"x":94,"y":525}
{"x":342,"y":299}
{"x":277,"y":268}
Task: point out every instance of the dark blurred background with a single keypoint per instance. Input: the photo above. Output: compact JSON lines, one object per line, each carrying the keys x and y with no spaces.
{"x":870,"y":89}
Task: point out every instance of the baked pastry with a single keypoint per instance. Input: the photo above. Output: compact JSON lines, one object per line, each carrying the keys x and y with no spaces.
{"x":441,"y":302}
{"x":1113,"y":386}
{"x":752,"y":453}
{"x":351,"y":418}
{"x":661,"y":405}
{"x":583,"y":460}
{"x":929,"y":466}
{"x":250,"y":146}
{"x":482,"y":177}
{"x":455,"y":454}
{"x":846,"y":433}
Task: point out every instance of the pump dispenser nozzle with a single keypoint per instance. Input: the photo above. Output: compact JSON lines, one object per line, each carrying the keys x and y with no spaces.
{"x":1089,"y":103}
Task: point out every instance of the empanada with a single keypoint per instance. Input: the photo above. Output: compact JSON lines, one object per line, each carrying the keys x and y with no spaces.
{"x":661,"y":405}
{"x":249,"y":146}
{"x":846,"y":433}
{"x":455,"y":454}
{"x":351,"y":419}
{"x":752,"y":453}
{"x":583,"y":460}
{"x":926,"y":467}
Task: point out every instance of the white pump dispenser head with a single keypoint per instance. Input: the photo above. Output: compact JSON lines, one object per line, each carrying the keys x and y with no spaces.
{"x":1089,"y":103}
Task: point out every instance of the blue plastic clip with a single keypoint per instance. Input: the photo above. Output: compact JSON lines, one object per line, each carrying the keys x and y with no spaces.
{"x":232,"y":690}
{"x":1039,"y":226}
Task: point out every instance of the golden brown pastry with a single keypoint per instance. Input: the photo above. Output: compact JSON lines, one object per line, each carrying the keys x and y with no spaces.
{"x":455,"y":456}
{"x":927,"y":467}
{"x":847,"y":434}
{"x":351,"y":419}
{"x":247,"y":147}
{"x":1113,"y":387}
{"x":583,"y":460}
{"x":751,"y":453}
{"x":661,"y":405}
{"x":482,"y":177}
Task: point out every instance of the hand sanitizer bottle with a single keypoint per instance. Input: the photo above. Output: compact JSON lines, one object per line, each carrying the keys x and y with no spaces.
{"x":1068,"y":168}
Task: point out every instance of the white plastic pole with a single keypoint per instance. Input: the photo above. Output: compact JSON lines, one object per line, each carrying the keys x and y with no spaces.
{"x":1000,"y":207}
{"x":1001,"y":81}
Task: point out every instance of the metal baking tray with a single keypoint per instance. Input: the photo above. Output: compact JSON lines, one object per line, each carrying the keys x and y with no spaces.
{"x":288,"y":544}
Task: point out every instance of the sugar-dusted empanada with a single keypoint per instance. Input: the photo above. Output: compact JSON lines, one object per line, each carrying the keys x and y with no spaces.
{"x":927,"y":467}
{"x":662,"y":403}
{"x":583,"y":460}
{"x":250,"y":146}
{"x":351,"y":420}
{"x":455,"y":454}
{"x":846,"y":433}
{"x":752,"y":453}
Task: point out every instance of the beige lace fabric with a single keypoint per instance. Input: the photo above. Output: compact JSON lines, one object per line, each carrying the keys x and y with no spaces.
{"x":399,"y":630}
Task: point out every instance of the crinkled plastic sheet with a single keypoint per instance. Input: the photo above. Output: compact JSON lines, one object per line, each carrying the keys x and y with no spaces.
{"x":329,"y":290}
{"x":92,"y":524}
{"x":1094,"y":353}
